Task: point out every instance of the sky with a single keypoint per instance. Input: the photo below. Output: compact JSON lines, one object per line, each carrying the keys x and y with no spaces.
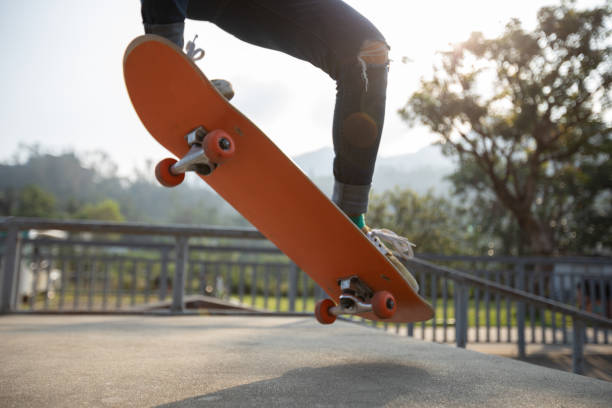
{"x":62,"y":83}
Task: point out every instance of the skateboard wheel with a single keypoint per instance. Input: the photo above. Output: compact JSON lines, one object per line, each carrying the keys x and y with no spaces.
{"x":383,"y":304}
{"x":322,"y":311}
{"x":165,"y":176}
{"x":218,"y":146}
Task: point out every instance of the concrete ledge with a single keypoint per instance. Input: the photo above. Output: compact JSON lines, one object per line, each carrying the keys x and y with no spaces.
{"x":195,"y":361}
{"x":190,"y":302}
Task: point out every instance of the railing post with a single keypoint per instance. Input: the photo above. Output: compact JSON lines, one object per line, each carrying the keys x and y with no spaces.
{"x":293,"y":277}
{"x":461,"y":314}
{"x":163,"y":278}
{"x":10,"y":276}
{"x":520,"y":308}
{"x":178,"y":283}
{"x":578,"y":346}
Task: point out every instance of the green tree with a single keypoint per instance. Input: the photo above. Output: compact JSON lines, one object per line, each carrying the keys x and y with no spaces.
{"x":525,"y":114}
{"x":33,"y":201}
{"x":75,"y":179}
{"x":195,"y":214}
{"x":106,"y":210}
{"x":430,"y":222}
{"x":8,"y":200}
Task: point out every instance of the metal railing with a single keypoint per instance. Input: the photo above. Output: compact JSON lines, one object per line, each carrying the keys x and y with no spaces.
{"x":465,"y":284}
{"x":583,"y":283}
{"x":105,"y":267}
{"x":127,"y":267}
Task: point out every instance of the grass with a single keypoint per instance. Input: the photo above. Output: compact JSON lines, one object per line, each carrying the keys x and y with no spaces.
{"x":259,"y":302}
{"x":97,"y":302}
{"x":502,"y":319}
{"x":281,"y":304}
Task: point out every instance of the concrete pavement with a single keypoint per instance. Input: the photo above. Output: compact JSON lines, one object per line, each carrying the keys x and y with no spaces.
{"x":597,"y":357}
{"x":194,"y":361}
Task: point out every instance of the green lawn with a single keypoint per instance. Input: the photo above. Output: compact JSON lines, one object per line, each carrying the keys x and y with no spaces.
{"x":307,"y":305}
{"x":98,"y":302}
{"x":494,"y":319}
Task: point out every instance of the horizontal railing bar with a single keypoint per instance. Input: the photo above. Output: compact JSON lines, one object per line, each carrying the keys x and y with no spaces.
{"x":93,"y":258}
{"x":129,"y":228}
{"x":241,"y":264}
{"x":542,"y":302}
{"x":241,"y":233}
{"x":125,"y":259}
{"x":515,"y":260}
{"x":186,"y":312}
{"x":147,"y":245}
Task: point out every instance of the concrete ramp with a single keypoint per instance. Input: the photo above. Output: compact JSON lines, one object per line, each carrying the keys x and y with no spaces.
{"x":191,"y":302}
{"x":227,"y":361}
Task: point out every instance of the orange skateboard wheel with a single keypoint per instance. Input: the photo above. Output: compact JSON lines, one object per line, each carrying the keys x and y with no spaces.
{"x":383,"y":304}
{"x":322,"y":311}
{"x":218,"y":146}
{"x":165,"y":176}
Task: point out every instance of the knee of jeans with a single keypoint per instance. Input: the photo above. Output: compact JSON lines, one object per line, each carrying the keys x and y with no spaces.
{"x":360,"y":130}
{"x":374,"y":52}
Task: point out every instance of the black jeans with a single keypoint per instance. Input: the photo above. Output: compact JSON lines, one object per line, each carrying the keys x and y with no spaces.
{"x":330,"y":35}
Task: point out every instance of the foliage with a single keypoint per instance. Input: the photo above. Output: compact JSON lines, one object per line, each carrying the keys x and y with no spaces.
{"x":106,"y":210}
{"x":525,"y":114}
{"x":432,"y":223}
{"x":35,"y":202}
{"x":87,"y":186}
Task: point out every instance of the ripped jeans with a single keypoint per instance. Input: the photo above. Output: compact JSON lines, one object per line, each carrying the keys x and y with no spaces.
{"x":330,"y":35}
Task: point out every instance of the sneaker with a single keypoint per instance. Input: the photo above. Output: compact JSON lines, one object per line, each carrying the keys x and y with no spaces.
{"x":224,"y":87}
{"x":401,"y":245}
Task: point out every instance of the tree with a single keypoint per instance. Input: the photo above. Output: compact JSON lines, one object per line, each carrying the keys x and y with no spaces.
{"x":428,"y":221}
{"x":76,"y":179}
{"x":525,"y":115}
{"x":106,"y":210}
{"x":8,"y":201}
{"x":35,"y":202}
{"x":197,"y":213}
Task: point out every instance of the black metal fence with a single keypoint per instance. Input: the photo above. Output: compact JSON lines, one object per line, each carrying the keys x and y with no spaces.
{"x":51,"y":266}
{"x":582,"y":283}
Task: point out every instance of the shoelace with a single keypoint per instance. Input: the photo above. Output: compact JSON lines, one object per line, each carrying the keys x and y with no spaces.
{"x":192,"y":52}
{"x":401,"y":244}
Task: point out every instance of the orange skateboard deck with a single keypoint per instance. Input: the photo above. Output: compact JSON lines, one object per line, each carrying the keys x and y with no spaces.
{"x":172,"y":97}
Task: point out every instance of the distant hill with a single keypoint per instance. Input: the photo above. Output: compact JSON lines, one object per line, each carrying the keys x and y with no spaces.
{"x":419,"y":171}
{"x":74,"y":183}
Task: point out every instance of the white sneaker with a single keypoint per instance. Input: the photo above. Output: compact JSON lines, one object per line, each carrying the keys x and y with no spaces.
{"x":401,"y":245}
{"x":224,"y":87}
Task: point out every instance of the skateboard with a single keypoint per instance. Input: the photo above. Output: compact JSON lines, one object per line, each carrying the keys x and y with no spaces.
{"x":184,"y":112}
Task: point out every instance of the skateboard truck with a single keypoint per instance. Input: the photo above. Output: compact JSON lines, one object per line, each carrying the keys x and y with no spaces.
{"x":195,"y":159}
{"x":356,"y":298}
{"x":206,"y":151}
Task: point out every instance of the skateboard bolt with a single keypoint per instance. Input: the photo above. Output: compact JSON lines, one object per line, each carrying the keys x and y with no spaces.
{"x":390,"y":304}
{"x":224,"y":144}
{"x":203,"y":169}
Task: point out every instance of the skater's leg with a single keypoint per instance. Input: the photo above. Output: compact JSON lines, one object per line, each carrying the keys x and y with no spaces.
{"x":165,"y":18}
{"x":334,"y":37}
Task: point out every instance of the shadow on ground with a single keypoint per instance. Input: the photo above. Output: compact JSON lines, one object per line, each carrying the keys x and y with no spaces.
{"x":327,"y":386}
